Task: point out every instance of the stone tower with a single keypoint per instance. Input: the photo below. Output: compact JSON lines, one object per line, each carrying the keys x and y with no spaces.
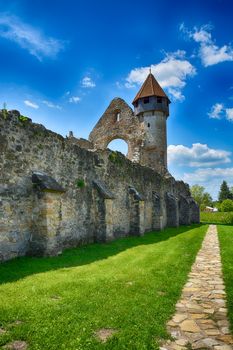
{"x":151,"y":107}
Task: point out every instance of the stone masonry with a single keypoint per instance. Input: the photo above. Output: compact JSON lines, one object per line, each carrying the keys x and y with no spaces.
{"x":55,"y":194}
{"x":200,"y":321}
{"x":60,"y":192}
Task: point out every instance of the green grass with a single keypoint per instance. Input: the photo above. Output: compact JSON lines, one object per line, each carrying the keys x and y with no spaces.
{"x":226,"y":243}
{"x":217,"y":218}
{"x":130,"y":285}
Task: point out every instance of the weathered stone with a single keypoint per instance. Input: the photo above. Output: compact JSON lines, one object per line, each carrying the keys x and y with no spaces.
{"x":39,"y":218}
{"x":189,"y":326}
{"x":179,"y":318}
{"x":181,"y":342}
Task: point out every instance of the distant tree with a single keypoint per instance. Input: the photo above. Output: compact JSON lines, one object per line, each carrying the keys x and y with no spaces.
{"x":202,"y":198}
{"x":224,"y":192}
{"x":227,"y":205}
{"x":207,"y":200}
{"x":231,"y":189}
{"x":197,"y":193}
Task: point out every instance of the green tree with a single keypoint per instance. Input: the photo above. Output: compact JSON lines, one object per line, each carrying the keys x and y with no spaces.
{"x":197,"y":193}
{"x":227,"y":205}
{"x":202,"y":198}
{"x":231,"y":189}
{"x":207,"y":200}
{"x":224,"y":192}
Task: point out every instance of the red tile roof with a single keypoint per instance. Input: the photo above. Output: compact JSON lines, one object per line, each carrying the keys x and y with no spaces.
{"x":150,"y":87}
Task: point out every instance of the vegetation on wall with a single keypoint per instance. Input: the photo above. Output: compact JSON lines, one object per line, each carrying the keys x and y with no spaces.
{"x":115,"y":157}
{"x":80,"y":183}
{"x":4,"y":111}
{"x":23,"y":119}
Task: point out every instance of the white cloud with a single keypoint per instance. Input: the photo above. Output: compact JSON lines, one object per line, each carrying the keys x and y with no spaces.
{"x":51,"y":105}
{"x":171,"y":74}
{"x":87,"y":82}
{"x":197,"y":155}
{"x":29,"y":38}
{"x":229,"y":114}
{"x":74,"y":99}
{"x":31,"y":104}
{"x":217,"y":111}
{"x":210,"y":178}
{"x":203,"y":175}
{"x":209,"y":52}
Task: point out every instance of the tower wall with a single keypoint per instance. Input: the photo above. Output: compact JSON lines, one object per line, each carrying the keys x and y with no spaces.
{"x":154,"y":151}
{"x":152,"y":105}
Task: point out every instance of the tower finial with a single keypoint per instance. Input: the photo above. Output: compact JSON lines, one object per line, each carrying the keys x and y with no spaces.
{"x":150,"y":70}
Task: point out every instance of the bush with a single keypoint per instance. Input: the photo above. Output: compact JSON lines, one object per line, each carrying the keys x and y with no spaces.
{"x":227,"y":205}
{"x":80,"y":183}
{"x":115,"y":157}
{"x":23,"y":119}
{"x":217,"y":218}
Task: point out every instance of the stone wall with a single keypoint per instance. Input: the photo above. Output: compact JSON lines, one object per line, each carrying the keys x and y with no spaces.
{"x":55,"y":194}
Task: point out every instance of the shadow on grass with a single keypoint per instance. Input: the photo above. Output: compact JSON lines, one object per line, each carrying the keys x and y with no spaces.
{"x":21,"y":267}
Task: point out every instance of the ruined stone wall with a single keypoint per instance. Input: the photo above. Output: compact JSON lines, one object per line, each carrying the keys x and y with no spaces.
{"x":55,"y":194}
{"x":119,"y":122}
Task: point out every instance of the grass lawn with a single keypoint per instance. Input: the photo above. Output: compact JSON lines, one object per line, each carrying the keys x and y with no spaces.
{"x":226,"y":243}
{"x":130,"y":285}
{"x":217,"y":218}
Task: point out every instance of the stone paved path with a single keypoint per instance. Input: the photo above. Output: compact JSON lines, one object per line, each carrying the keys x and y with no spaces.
{"x":200,"y":321}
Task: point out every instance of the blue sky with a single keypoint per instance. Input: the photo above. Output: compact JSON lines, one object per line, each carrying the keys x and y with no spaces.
{"x":63,"y":61}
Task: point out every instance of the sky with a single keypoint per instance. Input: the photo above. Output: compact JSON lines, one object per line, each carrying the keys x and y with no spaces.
{"x":63,"y":61}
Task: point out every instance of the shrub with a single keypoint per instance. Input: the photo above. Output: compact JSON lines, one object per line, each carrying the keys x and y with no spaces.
{"x":23,"y":119}
{"x":114,"y":157}
{"x":227,"y":205}
{"x":80,"y":183}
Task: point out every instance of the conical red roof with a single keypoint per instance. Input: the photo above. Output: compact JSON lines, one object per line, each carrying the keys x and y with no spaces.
{"x":150,"y":87}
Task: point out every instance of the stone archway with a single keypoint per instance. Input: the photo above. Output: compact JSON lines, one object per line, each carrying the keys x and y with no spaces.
{"x":119,"y":122}
{"x":119,"y":145}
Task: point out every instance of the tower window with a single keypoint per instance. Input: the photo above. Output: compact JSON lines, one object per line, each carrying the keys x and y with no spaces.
{"x":148,"y":125}
{"x":146,"y":100}
{"x":159,"y":100}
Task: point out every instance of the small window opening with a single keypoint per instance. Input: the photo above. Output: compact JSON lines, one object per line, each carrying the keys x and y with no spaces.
{"x":136,"y":104}
{"x":118,"y":116}
{"x":148,"y":125}
{"x":159,"y":100}
{"x":146,"y":100}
